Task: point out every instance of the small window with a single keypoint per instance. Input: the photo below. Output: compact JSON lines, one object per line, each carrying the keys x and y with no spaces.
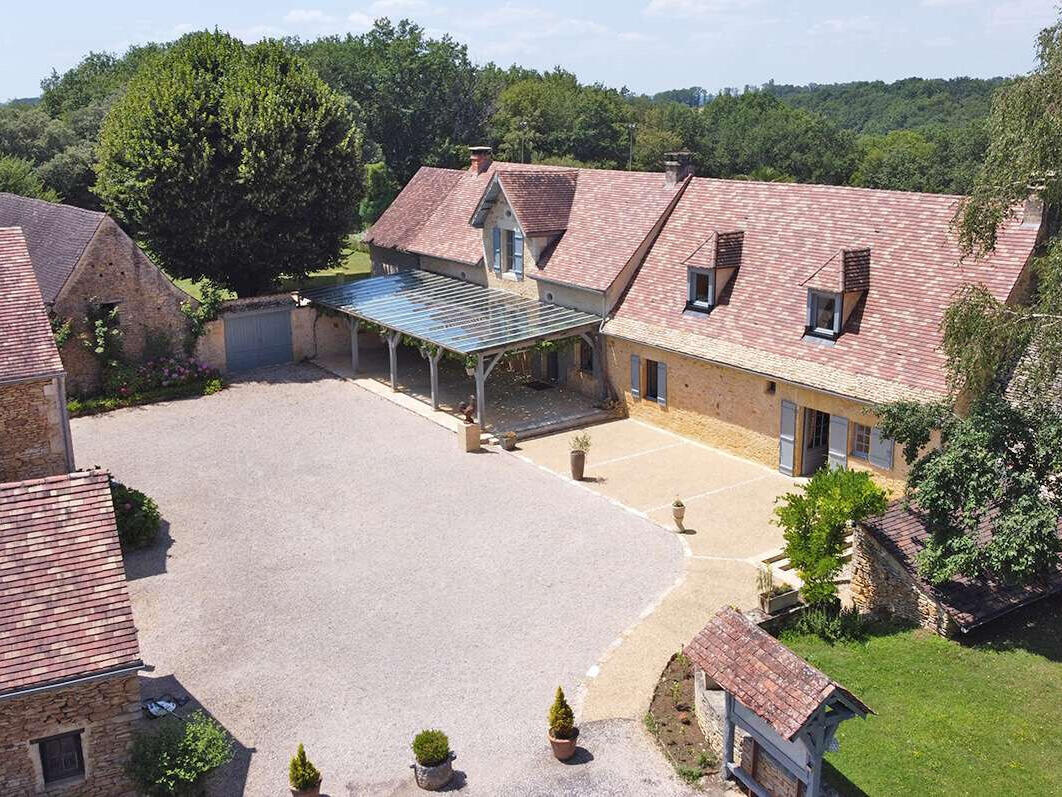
{"x":824,"y":313}
{"x":510,"y":249}
{"x":771,"y":387}
{"x":586,"y":358}
{"x":61,"y":757}
{"x":652,"y":386}
{"x":860,"y":441}
{"x":701,"y":289}
{"x":819,"y":431}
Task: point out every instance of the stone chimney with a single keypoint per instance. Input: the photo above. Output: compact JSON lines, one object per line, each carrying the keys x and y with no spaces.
{"x":677,"y":167}
{"x":481,"y":158}
{"x":1032,"y":213}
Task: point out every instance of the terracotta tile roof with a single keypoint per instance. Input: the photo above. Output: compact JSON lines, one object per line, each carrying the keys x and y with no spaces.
{"x":57,"y":236}
{"x":64,"y":605}
{"x":27,"y":346}
{"x":721,"y":250}
{"x":791,"y":230}
{"x":412,"y":208}
{"x":541,"y":200}
{"x":902,"y":531}
{"x":845,"y":271}
{"x":612,"y":213}
{"x":763,"y":674}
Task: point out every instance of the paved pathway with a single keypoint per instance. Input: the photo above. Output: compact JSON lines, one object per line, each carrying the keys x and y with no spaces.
{"x":335,"y":572}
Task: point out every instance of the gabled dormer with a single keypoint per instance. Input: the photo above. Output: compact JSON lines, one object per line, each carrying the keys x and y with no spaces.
{"x":835,"y":290}
{"x":711,"y":267}
{"x":521,"y":207}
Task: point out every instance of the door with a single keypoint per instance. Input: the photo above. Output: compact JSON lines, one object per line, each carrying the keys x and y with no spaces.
{"x":256,"y":339}
{"x":552,"y":366}
{"x":787,"y":438}
{"x":816,"y":440}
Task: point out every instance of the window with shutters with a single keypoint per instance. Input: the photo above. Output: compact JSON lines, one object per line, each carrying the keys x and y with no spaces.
{"x":652,"y":384}
{"x":61,"y":757}
{"x":818,"y":433}
{"x":510,"y":249}
{"x":860,"y":441}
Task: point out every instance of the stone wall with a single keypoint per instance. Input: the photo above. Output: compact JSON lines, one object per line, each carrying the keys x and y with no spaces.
{"x":882,"y":586}
{"x":32,"y":426}
{"x":106,"y":711}
{"x":114,"y":269}
{"x":732,"y":409}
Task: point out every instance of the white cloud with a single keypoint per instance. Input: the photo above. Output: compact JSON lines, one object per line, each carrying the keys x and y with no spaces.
{"x":308,"y":17}
{"x":399,"y":7}
{"x":256,"y":33}
{"x":698,"y":8}
{"x":1020,"y":13}
{"x":360,"y":20}
{"x":845,"y":26}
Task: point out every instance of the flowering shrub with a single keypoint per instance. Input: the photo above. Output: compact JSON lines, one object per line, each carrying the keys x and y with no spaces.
{"x":175,"y":371}
{"x":136,"y":515}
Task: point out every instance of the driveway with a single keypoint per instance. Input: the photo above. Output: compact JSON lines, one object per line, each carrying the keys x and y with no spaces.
{"x":728,"y":529}
{"x":335,"y":572}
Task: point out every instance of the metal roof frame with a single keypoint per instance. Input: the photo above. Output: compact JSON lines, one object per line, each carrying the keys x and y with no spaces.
{"x":459,"y":316}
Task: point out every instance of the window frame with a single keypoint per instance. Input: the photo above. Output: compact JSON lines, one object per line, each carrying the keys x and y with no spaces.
{"x":692,"y":302}
{"x":508,"y":249}
{"x":652,"y":385}
{"x":51,"y":778}
{"x":860,"y":433}
{"x":812,"y":327}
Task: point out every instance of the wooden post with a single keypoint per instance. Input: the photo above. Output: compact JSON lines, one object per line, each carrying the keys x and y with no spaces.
{"x":354,"y":323}
{"x":481,"y":393}
{"x":392,"y":346}
{"x":728,"y":734}
{"x":433,"y":364}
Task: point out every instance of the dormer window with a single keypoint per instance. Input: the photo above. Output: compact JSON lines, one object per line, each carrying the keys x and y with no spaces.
{"x":824,"y":314}
{"x":701,"y":289}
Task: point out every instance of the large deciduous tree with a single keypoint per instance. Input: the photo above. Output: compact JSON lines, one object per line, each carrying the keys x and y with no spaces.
{"x":231,"y":162}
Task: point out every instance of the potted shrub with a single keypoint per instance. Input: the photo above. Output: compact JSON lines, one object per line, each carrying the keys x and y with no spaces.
{"x":580,"y":445}
{"x":303,"y":776}
{"x":433,"y":767}
{"x":562,"y":730}
{"x":678,"y":511}
{"x":508,"y":441}
{"x":470,"y":365}
{"x":774,"y":598}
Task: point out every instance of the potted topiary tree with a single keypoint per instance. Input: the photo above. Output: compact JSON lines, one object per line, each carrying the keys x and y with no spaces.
{"x":303,"y":776}
{"x":433,"y":767}
{"x":580,"y":444}
{"x":678,"y":512}
{"x":562,"y":730}
{"x":508,"y":441}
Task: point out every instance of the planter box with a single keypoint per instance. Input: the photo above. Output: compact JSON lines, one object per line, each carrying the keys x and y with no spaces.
{"x":469,"y":437}
{"x":774,"y":604}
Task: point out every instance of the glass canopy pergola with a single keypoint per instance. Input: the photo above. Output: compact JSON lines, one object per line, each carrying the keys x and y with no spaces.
{"x":453,"y":315}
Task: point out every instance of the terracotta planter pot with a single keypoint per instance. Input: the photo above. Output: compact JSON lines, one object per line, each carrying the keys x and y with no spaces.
{"x":434,"y":778}
{"x":508,"y":442}
{"x":578,"y":465}
{"x":679,"y":513}
{"x":773,"y":604}
{"x":313,"y":791}
{"x":563,"y":749}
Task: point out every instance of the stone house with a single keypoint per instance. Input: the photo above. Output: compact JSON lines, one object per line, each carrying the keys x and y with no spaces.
{"x":69,"y":693}
{"x":885,"y":578}
{"x":34,"y":428}
{"x":764,"y":318}
{"x":82,"y":258}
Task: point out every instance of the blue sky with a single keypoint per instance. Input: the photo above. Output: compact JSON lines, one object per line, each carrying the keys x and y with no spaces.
{"x":648,"y":45}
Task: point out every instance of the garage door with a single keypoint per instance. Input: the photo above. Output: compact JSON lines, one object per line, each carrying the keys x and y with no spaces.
{"x":257,"y":339}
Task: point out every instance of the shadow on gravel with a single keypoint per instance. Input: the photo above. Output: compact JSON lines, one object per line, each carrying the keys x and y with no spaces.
{"x":580,"y":756}
{"x":149,"y":561}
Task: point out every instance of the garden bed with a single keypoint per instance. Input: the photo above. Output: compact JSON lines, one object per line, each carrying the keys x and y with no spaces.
{"x":77,"y":407}
{"x":672,"y":721}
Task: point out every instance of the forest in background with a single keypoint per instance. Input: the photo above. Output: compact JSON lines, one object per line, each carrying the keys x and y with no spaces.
{"x":421,"y":101}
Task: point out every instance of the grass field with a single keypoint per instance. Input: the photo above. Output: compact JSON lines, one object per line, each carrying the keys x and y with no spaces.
{"x":355,"y":266}
{"x":981,"y":717}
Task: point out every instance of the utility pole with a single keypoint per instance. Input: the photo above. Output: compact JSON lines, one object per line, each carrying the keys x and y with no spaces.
{"x":630,"y":154}
{"x":523,"y":141}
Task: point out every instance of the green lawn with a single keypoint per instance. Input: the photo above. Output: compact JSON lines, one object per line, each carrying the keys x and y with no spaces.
{"x":984,"y":717}
{"x":355,"y":266}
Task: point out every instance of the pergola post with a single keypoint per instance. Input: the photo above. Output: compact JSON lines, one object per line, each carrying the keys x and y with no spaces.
{"x":433,"y":364}
{"x":728,"y":734}
{"x":354,"y":324}
{"x":594,"y":341}
{"x":392,"y":347}
{"x":481,"y":393}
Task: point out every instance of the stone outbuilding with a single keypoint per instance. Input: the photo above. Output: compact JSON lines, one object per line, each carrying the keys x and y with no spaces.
{"x":885,"y":578}
{"x":777,"y":709}
{"x":69,"y":693}
{"x":34,"y":429}
{"x":82,"y":259}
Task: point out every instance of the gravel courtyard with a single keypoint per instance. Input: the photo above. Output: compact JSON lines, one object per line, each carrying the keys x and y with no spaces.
{"x":335,"y":572}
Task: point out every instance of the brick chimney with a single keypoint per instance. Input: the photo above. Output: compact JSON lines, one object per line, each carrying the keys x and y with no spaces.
{"x":481,"y":158}
{"x":677,"y":167}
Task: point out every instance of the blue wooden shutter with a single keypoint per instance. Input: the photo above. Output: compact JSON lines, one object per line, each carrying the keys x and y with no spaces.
{"x":497,"y":249}
{"x":661,"y":384}
{"x":881,"y":449}
{"x":518,"y":254}
{"x":636,"y":376}
{"x":787,"y":438}
{"x":838,"y":446}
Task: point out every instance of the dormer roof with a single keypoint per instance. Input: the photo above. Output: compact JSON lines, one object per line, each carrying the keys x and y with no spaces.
{"x":540,"y":201}
{"x":847,"y":271}
{"x":720,"y":250}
